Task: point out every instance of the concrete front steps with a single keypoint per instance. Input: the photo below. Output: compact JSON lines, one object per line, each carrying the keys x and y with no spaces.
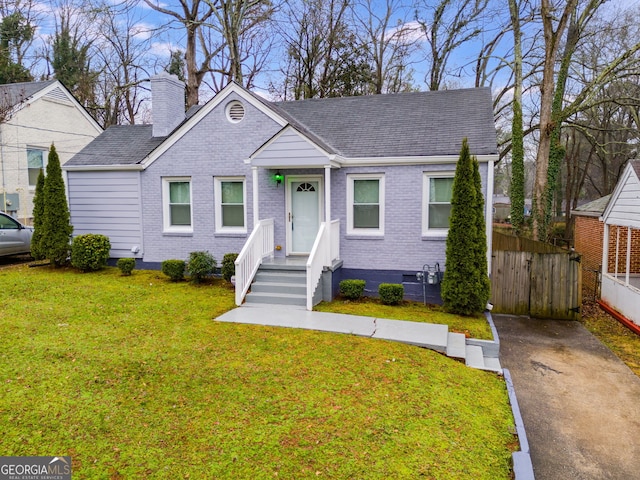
{"x":480,"y":354}
{"x":279,"y":285}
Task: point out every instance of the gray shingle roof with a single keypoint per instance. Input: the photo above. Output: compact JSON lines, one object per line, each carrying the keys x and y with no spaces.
{"x":635,"y":164}
{"x":13,"y":93}
{"x":402,"y":124}
{"x":118,"y":145}
{"x":594,"y":208}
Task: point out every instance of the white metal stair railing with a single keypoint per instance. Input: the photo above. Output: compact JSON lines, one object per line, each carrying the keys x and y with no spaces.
{"x":322,"y":255}
{"x":260,"y":244}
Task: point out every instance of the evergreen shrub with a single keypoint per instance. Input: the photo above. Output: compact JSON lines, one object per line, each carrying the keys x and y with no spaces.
{"x":391,"y":293}
{"x":90,"y":252}
{"x":229,"y":266}
{"x":352,"y":288}
{"x":174,"y":269}
{"x":200,"y":266}
{"x":126,"y":265}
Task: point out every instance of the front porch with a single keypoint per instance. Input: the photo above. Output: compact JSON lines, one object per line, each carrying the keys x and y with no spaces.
{"x":291,"y":280}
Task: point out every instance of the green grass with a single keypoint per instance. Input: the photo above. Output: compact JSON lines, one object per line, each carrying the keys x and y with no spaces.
{"x":622,"y":341}
{"x":474,"y":327}
{"x":133,"y":378}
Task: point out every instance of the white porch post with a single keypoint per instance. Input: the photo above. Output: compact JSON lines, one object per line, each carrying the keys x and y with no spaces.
{"x":605,"y":250}
{"x":626,"y":280}
{"x":327,"y":194}
{"x":617,"y":251}
{"x":256,"y":202}
{"x":327,"y":212}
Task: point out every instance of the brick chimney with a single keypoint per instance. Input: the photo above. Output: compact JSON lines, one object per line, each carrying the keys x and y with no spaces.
{"x":167,"y":103}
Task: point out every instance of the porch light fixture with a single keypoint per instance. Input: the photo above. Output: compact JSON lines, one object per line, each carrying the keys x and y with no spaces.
{"x":278,"y":178}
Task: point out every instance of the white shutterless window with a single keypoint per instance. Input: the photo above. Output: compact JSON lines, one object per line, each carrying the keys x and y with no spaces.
{"x":436,"y":204}
{"x":365,"y":204}
{"x":176,"y":200}
{"x":230,"y":199}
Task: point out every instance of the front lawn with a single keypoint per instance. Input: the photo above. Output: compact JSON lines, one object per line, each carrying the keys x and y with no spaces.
{"x":133,"y":378}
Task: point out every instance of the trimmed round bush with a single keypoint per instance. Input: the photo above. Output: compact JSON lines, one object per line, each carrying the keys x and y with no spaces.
{"x":174,"y":269}
{"x":90,"y":252}
{"x":126,"y":265}
{"x":391,"y":293}
{"x":352,"y":288}
{"x":200,"y":266}
{"x":229,"y":266}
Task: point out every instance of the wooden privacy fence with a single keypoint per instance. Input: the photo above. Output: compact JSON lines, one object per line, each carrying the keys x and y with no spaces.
{"x":543,"y":285}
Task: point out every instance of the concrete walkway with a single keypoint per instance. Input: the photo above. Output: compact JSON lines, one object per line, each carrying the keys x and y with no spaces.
{"x":580,"y":403}
{"x":479,"y":354}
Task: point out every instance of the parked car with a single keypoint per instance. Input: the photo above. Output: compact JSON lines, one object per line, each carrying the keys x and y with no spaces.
{"x":15,"y":237}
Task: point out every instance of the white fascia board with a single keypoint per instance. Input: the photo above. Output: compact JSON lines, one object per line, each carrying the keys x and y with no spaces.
{"x":628,"y":171}
{"x":102,"y":168}
{"x":204,"y":111}
{"x":417,"y":160}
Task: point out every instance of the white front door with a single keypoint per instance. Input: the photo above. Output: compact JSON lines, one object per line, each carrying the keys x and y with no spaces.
{"x":303,"y":213}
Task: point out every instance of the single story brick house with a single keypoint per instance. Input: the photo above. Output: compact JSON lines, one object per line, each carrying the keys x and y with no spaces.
{"x":336,"y":188}
{"x":588,"y":234}
{"x":620,"y":290}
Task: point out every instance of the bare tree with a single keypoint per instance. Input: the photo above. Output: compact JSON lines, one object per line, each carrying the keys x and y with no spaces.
{"x":324,"y":58}
{"x":388,"y":44}
{"x":239,"y":23}
{"x":447,"y":26}
{"x":122,"y":49}
{"x":193,"y":15}
{"x":553,"y":32}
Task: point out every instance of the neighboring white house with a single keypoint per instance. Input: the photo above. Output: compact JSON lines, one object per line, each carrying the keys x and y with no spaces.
{"x":621,"y":246}
{"x":34,"y":115}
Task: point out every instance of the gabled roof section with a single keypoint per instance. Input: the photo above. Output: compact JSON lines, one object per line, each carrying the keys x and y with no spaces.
{"x":117,"y":146}
{"x":624,"y":206}
{"x":194,"y":115}
{"x":401,"y":124}
{"x":277,"y":152}
{"x":17,"y":95}
{"x":12,"y":94}
{"x":594,"y":208}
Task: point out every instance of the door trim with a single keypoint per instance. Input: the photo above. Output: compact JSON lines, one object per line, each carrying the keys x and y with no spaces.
{"x":289,"y":179}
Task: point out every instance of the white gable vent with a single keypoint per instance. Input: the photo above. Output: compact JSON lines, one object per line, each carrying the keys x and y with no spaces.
{"x":57,"y":95}
{"x":235,"y":111}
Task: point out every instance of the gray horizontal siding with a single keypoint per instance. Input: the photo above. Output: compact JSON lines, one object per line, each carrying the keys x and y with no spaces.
{"x":107,"y":203}
{"x":290,"y":149}
{"x":626,"y":209}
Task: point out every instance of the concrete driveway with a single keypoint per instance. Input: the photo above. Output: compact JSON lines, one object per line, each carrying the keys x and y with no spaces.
{"x":580,"y":403}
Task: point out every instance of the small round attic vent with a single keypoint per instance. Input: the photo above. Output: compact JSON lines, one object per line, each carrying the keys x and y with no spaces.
{"x":235,"y":111}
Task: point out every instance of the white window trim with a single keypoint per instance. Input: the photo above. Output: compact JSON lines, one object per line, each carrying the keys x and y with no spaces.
{"x":166,"y":216}
{"x":426,"y":231}
{"x":218,"y":204}
{"x":45,"y":158}
{"x":372,"y":232}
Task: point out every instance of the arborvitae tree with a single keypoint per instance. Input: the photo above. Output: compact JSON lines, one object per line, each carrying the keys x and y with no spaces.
{"x":38,"y":219}
{"x":56,"y":220}
{"x":462,"y":286}
{"x":480,"y":253}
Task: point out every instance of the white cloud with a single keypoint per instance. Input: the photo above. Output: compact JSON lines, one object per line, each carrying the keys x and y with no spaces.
{"x":409,"y":32}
